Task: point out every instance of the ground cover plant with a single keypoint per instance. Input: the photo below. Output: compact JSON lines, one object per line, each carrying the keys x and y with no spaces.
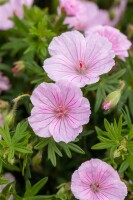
{"x":66,"y":93}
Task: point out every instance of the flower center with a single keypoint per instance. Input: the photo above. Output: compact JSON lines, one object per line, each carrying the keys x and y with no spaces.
{"x":95,"y":187}
{"x":82,"y":67}
{"x":61,"y":111}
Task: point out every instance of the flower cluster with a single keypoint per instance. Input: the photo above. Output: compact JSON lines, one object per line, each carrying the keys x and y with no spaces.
{"x":77,"y":60}
{"x":83,"y":15}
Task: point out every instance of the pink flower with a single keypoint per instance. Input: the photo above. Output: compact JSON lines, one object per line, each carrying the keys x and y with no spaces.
{"x":9,"y":9}
{"x":59,"y":110}
{"x":79,"y":59}
{"x":120,"y":43}
{"x":4,"y":83}
{"x":71,"y":7}
{"x":96,"y":180}
{"x":82,"y":14}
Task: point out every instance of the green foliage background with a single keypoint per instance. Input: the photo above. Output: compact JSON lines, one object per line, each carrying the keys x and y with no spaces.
{"x":108,"y":136}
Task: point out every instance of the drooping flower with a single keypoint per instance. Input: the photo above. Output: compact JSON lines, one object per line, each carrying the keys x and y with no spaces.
{"x":120,"y":43}
{"x":10,"y":8}
{"x":9,"y":177}
{"x":79,"y":59}
{"x":59,"y":110}
{"x":96,"y":180}
{"x":4,"y":83}
{"x":81,"y":15}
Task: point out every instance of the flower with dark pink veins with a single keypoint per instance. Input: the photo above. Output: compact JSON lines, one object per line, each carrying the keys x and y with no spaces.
{"x":96,"y":180}
{"x":59,"y":111}
{"x":4,"y":83}
{"x":79,"y":59}
{"x":120,"y":42}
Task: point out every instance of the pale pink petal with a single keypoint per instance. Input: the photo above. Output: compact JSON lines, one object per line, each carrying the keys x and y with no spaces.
{"x":40,"y":120}
{"x":4,"y":83}
{"x":120,"y":43}
{"x":99,"y":55}
{"x":51,"y":95}
{"x":71,"y":95}
{"x":61,"y":131}
{"x":79,"y":188}
{"x":80,"y":115}
{"x":70,"y":44}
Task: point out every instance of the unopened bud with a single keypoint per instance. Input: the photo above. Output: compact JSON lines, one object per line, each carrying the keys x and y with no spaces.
{"x":3,"y":104}
{"x":18,"y":67}
{"x":37,"y":159}
{"x":9,"y":119}
{"x":113,"y":98}
{"x":130,"y":31}
{"x":116,"y":153}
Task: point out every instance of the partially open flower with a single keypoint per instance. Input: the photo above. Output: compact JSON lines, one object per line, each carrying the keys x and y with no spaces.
{"x":18,"y":67}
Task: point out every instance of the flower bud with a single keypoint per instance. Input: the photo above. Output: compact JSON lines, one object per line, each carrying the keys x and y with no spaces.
{"x":9,"y":119}
{"x":3,"y":104}
{"x":18,"y":67}
{"x":130,"y":31}
{"x":113,"y":98}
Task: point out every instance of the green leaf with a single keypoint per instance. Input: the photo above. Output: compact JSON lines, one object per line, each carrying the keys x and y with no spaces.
{"x":130,"y":135}
{"x":3,"y":181}
{"x":130,"y":161}
{"x":75,"y":148}
{"x":22,"y":149}
{"x":42,"y":144}
{"x":66,"y":149}
{"x":123,"y":166}
{"x":101,"y":146}
{"x":36,"y":188}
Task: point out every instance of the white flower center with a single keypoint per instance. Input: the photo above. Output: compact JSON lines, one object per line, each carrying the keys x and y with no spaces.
{"x":82,"y":67}
{"x":61,"y":111}
{"x":95,"y":187}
